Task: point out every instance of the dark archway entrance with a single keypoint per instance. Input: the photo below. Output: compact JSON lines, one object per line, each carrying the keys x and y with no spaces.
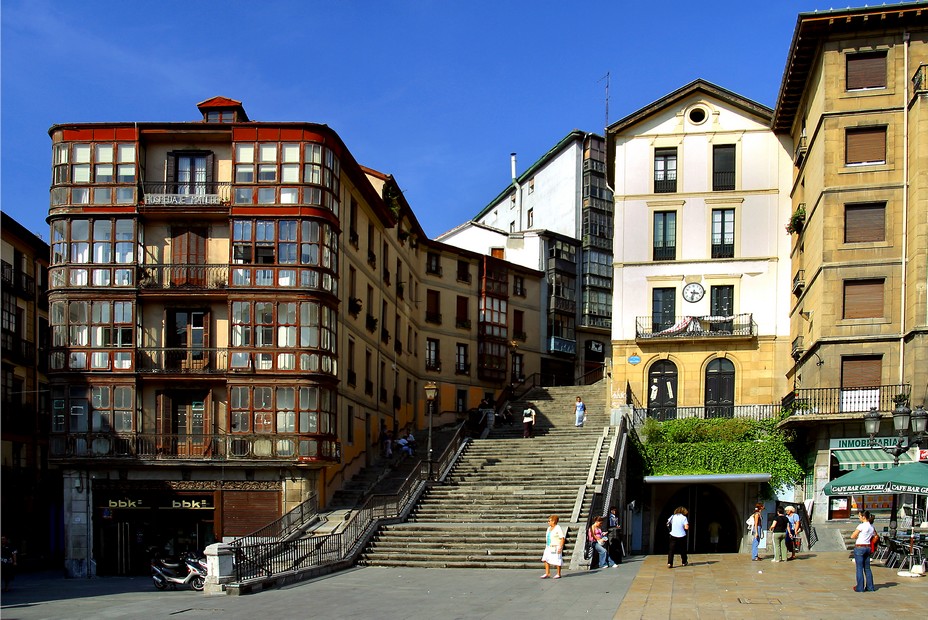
{"x":706,"y":504}
{"x":662,"y":390}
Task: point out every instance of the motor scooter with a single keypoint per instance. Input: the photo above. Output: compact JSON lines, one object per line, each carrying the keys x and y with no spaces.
{"x":188,"y":570}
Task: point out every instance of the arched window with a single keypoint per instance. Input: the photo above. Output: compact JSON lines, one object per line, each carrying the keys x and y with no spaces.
{"x":662,"y":391}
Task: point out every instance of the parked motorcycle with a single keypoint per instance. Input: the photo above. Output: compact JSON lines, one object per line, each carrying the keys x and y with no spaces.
{"x":189,"y":569}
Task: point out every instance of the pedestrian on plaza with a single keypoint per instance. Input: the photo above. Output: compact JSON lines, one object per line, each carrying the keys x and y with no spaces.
{"x":678,"y":525}
{"x":794,"y":542}
{"x":600,"y":543}
{"x":778,"y":527}
{"x":864,"y":533}
{"x":756,"y":523}
{"x":615,"y":542}
{"x":8,"y":561}
{"x":554,"y":548}
{"x":528,"y":422}
{"x":580,"y":412}
{"x":714,"y":528}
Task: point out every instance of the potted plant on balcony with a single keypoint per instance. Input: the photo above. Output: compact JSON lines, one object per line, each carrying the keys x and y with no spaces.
{"x":901,"y":399}
{"x":796,"y":221}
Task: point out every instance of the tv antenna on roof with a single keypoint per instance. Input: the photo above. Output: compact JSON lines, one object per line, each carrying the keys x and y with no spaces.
{"x":606,"y":77}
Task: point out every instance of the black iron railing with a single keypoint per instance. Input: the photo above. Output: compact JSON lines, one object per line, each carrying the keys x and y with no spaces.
{"x":706,"y":412}
{"x":665,"y":252}
{"x":836,"y":400}
{"x":738,"y":325}
{"x":723,"y":181}
{"x":288,"y":447}
{"x":183,"y":276}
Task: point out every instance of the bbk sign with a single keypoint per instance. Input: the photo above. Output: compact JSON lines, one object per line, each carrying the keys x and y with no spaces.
{"x":161,"y":503}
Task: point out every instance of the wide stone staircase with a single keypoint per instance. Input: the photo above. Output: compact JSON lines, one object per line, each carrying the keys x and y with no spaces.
{"x":491,"y":510}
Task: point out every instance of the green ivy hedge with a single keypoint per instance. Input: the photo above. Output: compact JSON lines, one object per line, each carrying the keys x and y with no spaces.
{"x":719,"y":446}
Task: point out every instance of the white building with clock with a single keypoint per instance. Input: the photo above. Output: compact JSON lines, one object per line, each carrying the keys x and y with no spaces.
{"x":702,"y":265}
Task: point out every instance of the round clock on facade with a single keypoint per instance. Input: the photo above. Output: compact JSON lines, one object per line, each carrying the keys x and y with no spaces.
{"x":693,"y":292}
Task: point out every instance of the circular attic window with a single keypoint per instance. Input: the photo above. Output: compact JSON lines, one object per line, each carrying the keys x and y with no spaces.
{"x":698,"y":115}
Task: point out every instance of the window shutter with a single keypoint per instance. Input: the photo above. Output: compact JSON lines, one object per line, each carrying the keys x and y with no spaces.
{"x":432,"y":302}
{"x":170,"y":172}
{"x":462,"y":308}
{"x":210,"y":165}
{"x":866,"y":145}
{"x":163,"y":417}
{"x":865,"y":222}
{"x":861,"y":371}
{"x":863,"y":299}
{"x":866,"y":70}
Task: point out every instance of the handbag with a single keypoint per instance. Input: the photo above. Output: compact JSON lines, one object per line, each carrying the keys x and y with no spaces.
{"x":874,"y":541}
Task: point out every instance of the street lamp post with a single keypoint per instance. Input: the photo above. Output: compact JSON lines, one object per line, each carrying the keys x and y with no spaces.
{"x":431,"y":391}
{"x":902,"y":416}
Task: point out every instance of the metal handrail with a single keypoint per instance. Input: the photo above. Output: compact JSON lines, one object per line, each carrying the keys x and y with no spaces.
{"x":282,"y":527}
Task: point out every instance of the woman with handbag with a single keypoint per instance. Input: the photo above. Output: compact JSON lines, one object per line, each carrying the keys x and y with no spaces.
{"x":600,"y":541}
{"x":678,"y":525}
{"x":554,"y":548}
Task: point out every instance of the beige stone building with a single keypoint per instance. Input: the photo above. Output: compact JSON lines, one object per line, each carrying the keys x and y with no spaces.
{"x":853,"y":101}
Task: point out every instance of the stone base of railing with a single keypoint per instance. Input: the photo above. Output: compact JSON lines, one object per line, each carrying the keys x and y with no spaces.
{"x":220,"y":571}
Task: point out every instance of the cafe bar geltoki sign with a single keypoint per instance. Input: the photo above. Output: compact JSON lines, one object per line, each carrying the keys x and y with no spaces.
{"x":182,"y":199}
{"x":161,"y":503}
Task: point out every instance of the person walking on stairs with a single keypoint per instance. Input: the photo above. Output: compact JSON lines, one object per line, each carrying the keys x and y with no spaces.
{"x":528,"y":422}
{"x":580,"y":413}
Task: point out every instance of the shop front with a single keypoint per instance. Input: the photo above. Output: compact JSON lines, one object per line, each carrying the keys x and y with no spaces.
{"x":132,"y":526}
{"x":848,"y":454}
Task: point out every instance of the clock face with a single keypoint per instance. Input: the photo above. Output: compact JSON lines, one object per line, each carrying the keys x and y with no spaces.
{"x":693,"y":292}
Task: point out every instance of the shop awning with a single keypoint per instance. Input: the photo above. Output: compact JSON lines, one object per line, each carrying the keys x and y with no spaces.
{"x":849,"y":460}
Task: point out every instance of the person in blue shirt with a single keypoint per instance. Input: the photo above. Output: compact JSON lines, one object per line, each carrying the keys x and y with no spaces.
{"x":581,"y":412}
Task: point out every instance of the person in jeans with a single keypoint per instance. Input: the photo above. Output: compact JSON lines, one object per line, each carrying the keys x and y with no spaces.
{"x":756,"y":521}
{"x":600,"y":542}
{"x":678,"y":524}
{"x":778,"y":527}
{"x":864,"y":533}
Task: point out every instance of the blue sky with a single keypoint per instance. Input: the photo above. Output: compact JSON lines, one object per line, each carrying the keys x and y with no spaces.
{"x":436,"y":93}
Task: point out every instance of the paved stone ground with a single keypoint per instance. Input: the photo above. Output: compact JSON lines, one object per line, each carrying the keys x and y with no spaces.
{"x":810,"y":587}
{"x":716,"y":586}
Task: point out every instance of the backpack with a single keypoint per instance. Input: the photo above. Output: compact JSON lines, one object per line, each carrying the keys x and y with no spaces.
{"x":588,"y":549}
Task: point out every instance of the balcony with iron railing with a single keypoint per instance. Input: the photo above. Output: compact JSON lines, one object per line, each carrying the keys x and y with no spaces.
{"x":6,"y":273}
{"x":692,"y":327}
{"x":799,"y":282}
{"x":723,"y":181}
{"x":799,"y":154}
{"x":920,"y":79}
{"x":462,"y":368}
{"x":665,"y":186}
{"x":433,"y":365}
{"x":160,"y":195}
{"x":723,"y":250}
{"x":17,"y":349}
{"x":664,"y":252}
{"x":838,"y":400}
{"x":205,"y":361}
{"x":222,"y":447}
{"x":433,"y":317}
{"x":183,"y":277}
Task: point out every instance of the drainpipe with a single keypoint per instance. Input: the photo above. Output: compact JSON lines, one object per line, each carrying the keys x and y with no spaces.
{"x":515,"y":183}
{"x":905,"y":205}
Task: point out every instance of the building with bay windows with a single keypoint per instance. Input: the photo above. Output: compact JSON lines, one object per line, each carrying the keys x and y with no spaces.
{"x":557,"y":217}
{"x":236,"y":309}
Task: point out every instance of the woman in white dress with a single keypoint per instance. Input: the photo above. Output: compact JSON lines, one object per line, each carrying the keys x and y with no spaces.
{"x":554,"y":548}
